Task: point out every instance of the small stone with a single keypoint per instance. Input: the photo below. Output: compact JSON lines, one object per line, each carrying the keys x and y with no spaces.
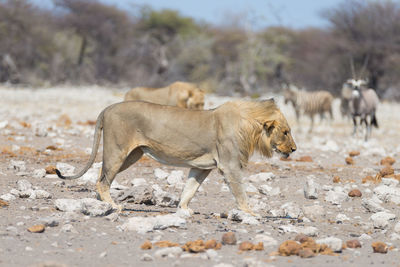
{"x":354,"y":153}
{"x":388,"y":161}
{"x":355,"y":193}
{"x":171,"y":252}
{"x":301,"y":238}
{"x":23,"y":185}
{"x":354,"y":243}
{"x":211,"y":254}
{"x":306,"y":253}
{"x":381,"y":219}
{"x":379,"y":247}
{"x":51,"y":169}
{"x":39,"y":173}
{"x":166,"y":244}
{"x":289,"y":247}
{"x":334,"y":243}
{"x":17,"y":165}
{"x":310,"y":188}
{"x":146,"y":257}
{"x":210,"y":244}
{"x":336,"y":179}
{"x":349,"y":161}
{"x":305,"y":159}
{"x":245,"y":246}
{"x":386,"y":171}
{"x":160,"y":174}
{"x":259,"y":246}
{"x":3,"y":203}
{"x":8,"y":197}
{"x":229,"y":238}
{"x":39,"y":228}
{"x":146,"y":245}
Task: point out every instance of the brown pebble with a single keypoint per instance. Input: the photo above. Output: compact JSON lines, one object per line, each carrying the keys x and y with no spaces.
{"x":349,"y":161}
{"x":355,"y":193}
{"x":212,"y":243}
{"x":354,"y":243}
{"x":301,"y":238}
{"x":354,"y":153}
{"x":165,"y":244}
{"x":336,"y":179}
{"x":386,"y":171}
{"x":229,"y":238}
{"x":3,"y":203}
{"x":245,"y":246}
{"x":289,"y":247}
{"x":306,"y":253}
{"x":194,"y":246}
{"x":259,"y":246}
{"x":223,"y":215}
{"x":388,"y":161}
{"x":51,"y":169}
{"x":305,"y":159}
{"x":380,"y":247}
{"x":39,"y":228}
{"x":146,"y":245}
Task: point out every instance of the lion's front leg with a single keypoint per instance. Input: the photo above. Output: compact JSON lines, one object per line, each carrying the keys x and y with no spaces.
{"x":195,"y":178}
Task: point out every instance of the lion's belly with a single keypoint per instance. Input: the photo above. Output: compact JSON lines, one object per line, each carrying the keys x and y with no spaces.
{"x":204,"y":161}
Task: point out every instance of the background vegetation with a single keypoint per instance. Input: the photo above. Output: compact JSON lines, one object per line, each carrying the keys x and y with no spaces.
{"x":86,"y":42}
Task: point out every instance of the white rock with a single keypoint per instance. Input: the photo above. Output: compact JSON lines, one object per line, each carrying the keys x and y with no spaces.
{"x":147,"y":224}
{"x":17,"y":165}
{"x":160,"y":174}
{"x":65,"y":168}
{"x":381,"y":219}
{"x":390,"y":182}
{"x":94,"y":207}
{"x":251,"y":188}
{"x":40,"y":130}
{"x":311,"y":188}
{"x":266,"y":239}
{"x":388,"y":194}
{"x":92,"y":174}
{"x":342,"y":218}
{"x":52,"y":221}
{"x":269,"y":191}
{"x":175,"y":177}
{"x":314,"y":212}
{"x":3,"y":124}
{"x":172,"y":252}
{"x":261,"y":177}
{"x":41,"y":194}
{"x":327,"y":187}
{"x":224,"y":188}
{"x":211,"y":254}
{"x":334,"y":243}
{"x":397,"y":227}
{"x":241,"y":216}
{"x":336,"y":198}
{"x":39,"y":173}
{"x":330,"y":146}
{"x":291,"y":210}
{"x":23,"y":185}
{"x":7,"y":197}
{"x":139,"y":181}
{"x":146,"y":257}
{"x":288,"y":229}
{"x":394,"y":237}
{"x":372,"y":205}
{"x":164,"y":199}
{"x":68,"y":205}
{"x":309,"y":231}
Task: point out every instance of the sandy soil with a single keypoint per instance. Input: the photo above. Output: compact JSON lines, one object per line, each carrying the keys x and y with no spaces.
{"x":67,"y":115}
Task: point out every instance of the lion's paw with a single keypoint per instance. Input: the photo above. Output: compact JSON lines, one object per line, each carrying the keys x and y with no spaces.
{"x":184,"y":213}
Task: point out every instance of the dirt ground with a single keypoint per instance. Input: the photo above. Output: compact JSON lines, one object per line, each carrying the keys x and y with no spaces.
{"x":43,"y":127}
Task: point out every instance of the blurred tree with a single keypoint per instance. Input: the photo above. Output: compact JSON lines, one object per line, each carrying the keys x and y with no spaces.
{"x":368,"y":30}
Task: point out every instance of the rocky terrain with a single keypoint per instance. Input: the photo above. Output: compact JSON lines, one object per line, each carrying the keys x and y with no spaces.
{"x":333,"y":203}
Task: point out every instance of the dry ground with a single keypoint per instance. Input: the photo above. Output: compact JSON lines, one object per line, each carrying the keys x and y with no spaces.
{"x":67,"y":115}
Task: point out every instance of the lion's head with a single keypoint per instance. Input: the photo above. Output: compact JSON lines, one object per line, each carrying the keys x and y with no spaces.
{"x":264,"y":128}
{"x":196,"y":99}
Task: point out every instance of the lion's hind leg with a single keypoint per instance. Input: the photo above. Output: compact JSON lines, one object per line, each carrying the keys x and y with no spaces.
{"x":112,"y":165}
{"x":195,"y":178}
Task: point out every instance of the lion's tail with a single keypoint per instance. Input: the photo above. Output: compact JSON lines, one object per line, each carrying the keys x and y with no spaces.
{"x":96,"y":142}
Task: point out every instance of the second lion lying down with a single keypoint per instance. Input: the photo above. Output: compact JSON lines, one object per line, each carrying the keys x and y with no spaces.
{"x":223,"y":138}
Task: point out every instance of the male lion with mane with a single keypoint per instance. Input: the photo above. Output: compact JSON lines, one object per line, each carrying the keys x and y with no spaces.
{"x":222,"y":138}
{"x":180,"y":94}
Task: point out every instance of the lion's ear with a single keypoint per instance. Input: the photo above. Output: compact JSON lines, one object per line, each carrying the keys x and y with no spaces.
{"x":269,"y":126}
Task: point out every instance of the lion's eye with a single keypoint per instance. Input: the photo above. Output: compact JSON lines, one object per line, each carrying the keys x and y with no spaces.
{"x":286,"y":132}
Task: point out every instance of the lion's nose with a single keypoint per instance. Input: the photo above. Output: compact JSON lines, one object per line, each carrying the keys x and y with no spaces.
{"x":293,"y":149}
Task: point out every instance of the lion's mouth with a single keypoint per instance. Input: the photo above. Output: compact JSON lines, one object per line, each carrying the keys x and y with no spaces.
{"x":283,"y":154}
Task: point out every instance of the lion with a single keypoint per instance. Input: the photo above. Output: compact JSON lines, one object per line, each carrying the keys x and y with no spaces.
{"x":180,"y":94}
{"x":202,"y":140}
